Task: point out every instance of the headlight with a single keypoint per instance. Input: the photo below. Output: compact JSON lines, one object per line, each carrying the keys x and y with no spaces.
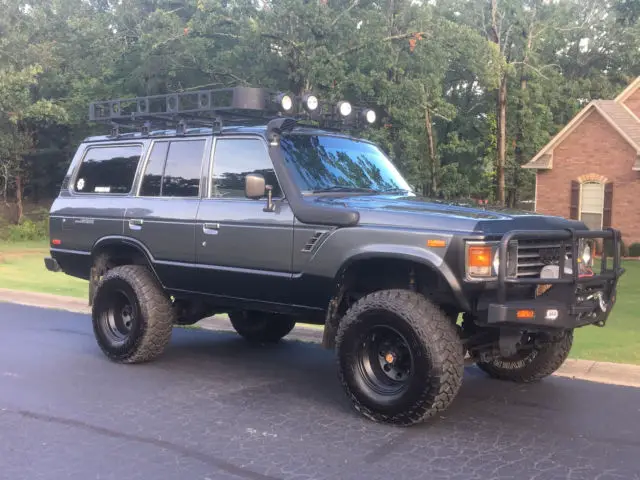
{"x":496,"y":261}
{"x":585,"y":255}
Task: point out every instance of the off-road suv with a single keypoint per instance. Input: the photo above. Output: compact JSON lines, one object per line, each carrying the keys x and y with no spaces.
{"x":243,"y":208}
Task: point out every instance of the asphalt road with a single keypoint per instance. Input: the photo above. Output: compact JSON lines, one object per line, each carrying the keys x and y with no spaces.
{"x":214,"y":408}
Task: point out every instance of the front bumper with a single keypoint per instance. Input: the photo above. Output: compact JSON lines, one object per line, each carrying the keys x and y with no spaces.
{"x":571,"y":300}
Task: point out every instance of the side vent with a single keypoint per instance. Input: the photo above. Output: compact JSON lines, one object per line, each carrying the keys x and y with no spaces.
{"x":313,"y":241}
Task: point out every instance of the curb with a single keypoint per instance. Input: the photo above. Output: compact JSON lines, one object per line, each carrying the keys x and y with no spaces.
{"x":589,"y":370}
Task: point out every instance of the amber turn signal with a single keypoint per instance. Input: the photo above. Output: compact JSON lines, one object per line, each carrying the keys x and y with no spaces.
{"x":434,"y":243}
{"x":479,"y":261}
{"x":525,"y":314}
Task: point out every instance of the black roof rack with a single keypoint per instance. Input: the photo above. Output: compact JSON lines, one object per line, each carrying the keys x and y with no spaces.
{"x":215,"y":108}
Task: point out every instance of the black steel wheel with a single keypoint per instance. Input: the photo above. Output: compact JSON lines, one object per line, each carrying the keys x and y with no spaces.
{"x":385,"y":361}
{"x":533,"y":363}
{"x":121,"y":317}
{"x":132,"y":316}
{"x":261,"y":327}
{"x":400,"y":359}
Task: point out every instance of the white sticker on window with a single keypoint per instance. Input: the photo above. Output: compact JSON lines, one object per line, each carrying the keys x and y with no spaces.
{"x":102,"y":189}
{"x":80,"y":184}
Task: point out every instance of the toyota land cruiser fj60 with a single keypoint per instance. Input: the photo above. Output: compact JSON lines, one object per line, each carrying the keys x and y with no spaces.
{"x":249,"y":209}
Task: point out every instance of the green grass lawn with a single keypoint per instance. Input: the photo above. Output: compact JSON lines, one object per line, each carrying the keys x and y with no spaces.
{"x":619,"y":340}
{"x":22,"y":268}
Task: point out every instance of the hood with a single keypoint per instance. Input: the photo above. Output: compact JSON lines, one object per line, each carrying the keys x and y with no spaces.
{"x":417,"y":211}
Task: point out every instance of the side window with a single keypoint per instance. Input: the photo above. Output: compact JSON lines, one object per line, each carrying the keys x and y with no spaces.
{"x":183,"y":169}
{"x":235,"y":158}
{"x":152,"y":180}
{"x":108,"y":169}
{"x":173,"y":169}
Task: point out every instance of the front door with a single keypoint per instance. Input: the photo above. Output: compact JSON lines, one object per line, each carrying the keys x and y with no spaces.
{"x":162,"y":216}
{"x":243,"y":252}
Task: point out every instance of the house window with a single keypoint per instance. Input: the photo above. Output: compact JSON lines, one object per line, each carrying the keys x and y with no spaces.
{"x":592,"y":204}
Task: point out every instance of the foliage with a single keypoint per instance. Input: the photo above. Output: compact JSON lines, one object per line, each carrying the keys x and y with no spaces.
{"x":634,"y":250}
{"x":28,"y":230}
{"x":433,"y":70}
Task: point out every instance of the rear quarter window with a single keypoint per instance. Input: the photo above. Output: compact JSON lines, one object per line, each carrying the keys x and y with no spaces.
{"x":108,"y":169}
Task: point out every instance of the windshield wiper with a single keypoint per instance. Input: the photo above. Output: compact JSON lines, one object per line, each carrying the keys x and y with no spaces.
{"x":342,"y":188}
{"x":394,"y":190}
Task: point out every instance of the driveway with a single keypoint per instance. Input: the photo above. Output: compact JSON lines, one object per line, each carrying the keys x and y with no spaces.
{"x":213,"y":407}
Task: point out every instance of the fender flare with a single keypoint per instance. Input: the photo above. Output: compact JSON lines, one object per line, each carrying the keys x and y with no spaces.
{"x":116,"y":240}
{"x":408,"y":253}
{"x":401,"y":252}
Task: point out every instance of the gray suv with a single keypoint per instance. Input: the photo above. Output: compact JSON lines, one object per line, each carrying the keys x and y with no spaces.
{"x":263,"y":209}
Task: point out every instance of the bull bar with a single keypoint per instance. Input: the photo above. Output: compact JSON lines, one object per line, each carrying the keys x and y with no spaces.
{"x":565,"y":304}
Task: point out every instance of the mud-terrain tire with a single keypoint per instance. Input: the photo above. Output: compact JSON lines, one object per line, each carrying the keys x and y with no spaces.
{"x":261,"y":327}
{"x":535,"y":365}
{"x":400,"y":359}
{"x":132,"y":316}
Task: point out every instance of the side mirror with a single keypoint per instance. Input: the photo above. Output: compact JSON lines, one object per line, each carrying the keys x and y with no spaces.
{"x":254,"y":186}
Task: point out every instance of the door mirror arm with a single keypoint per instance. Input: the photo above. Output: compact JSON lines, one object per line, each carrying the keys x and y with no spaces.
{"x":270,"y":205}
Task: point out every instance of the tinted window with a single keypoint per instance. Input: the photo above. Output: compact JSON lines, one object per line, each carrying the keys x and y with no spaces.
{"x":173,"y":169}
{"x":323,"y":162}
{"x":152,"y":180}
{"x":183,"y":169}
{"x":108,"y":169}
{"x":234,"y":159}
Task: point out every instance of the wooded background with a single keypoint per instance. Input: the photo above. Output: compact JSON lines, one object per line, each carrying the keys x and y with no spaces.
{"x":468,"y":90}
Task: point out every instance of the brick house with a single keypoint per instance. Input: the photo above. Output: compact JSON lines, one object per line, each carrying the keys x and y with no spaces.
{"x":591,"y":169}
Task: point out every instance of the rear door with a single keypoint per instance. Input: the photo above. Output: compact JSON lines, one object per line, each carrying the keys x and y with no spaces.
{"x":243,"y":251}
{"x":162,"y":215}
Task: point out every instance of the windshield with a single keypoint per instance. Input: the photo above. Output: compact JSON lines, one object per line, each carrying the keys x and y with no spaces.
{"x":326,"y":163}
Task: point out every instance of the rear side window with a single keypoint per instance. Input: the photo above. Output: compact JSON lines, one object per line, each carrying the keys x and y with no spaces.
{"x":173,"y":169}
{"x":108,"y":169}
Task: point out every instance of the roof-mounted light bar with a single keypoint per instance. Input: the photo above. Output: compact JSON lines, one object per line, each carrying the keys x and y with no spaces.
{"x":237,"y":105}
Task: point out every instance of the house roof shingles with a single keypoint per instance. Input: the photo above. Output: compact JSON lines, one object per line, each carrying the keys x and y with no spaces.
{"x":614,"y":111}
{"x":623,"y":118}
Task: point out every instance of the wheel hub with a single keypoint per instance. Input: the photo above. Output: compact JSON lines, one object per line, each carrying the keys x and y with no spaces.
{"x":385,"y":360}
{"x":119,"y":318}
{"x":127,"y":316}
{"x":395,"y":362}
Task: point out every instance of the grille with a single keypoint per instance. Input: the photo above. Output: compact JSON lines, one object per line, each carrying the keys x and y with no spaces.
{"x":534,"y":254}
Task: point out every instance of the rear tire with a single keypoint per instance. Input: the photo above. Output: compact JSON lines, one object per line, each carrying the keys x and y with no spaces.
{"x":132,"y":316}
{"x":261,"y":327}
{"x":535,"y":365}
{"x":400,"y":359}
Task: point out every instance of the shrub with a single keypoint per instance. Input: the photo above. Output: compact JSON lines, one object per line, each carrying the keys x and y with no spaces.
{"x":608,"y":247}
{"x":28,"y":230}
{"x":634,"y":250}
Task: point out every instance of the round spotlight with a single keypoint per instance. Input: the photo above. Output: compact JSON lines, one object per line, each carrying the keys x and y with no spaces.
{"x":310,"y":102}
{"x":344,"y":108}
{"x":286,"y":102}
{"x":370,"y":116}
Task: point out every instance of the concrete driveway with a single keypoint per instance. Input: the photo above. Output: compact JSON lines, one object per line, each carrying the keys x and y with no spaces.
{"x":214,"y":408}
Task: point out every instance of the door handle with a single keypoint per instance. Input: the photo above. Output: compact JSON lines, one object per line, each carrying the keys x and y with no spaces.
{"x":211,"y":228}
{"x":135,"y":224}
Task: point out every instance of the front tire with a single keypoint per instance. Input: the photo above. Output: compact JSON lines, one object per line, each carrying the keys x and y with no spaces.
{"x":400,"y":359}
{"x":261,"y":327}
{"x":531,"y":366}
{"x":132,"y":316}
